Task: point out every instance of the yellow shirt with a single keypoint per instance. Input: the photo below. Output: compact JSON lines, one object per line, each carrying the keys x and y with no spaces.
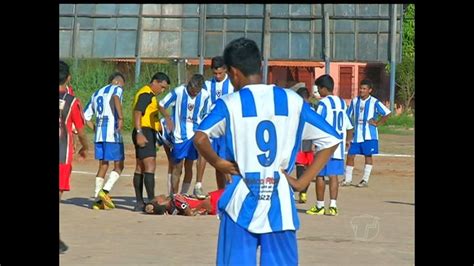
{"x":150,"y":117}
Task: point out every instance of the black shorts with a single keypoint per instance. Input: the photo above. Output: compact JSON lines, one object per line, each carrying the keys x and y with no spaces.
{"x":150,"y":147}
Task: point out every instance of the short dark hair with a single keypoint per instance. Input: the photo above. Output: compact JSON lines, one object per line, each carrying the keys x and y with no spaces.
{"x":63,"y":72}
{"x":303,"y":92}
{"x":217,"y":61}
{"x":244,"y":55}
{"x":160,"y":76}
{"x":196,"y":81}
{"x":157,"y":208}
{"x":367,"y":82}
{"x":114,"y":75}
{"x":325,"y":81}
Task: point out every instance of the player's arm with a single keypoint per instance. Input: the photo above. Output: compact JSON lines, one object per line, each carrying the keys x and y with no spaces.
{"x":324,"y":137}
{"x":214,"y":126}
{"x":118,"y":108}
{"x":381,"y":109}
{"x":78,"y":122}
{"x":88,"y":113}
{"x":165,"y":103}
{"x":320,"y":159}
{"x":143,"y":101}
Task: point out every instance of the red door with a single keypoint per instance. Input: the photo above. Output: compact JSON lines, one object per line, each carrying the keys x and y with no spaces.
{"x":345,"y":82}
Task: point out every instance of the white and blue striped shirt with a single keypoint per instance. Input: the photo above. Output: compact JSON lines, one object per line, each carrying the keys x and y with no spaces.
{"x":360,"y":112}
{"x":218,"y":89}
{"x":263,"y":127}
{"x":102,"y":105}
{"x":333,"y":109}
{"x":187,"y":112}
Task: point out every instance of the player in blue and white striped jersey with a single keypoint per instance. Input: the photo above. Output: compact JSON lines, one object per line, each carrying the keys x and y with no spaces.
{"x":189,"y":104}
{"x":106,"y":105}
{"x":333,"y":109}
{"x":263,"y":126}
{"x":367,"y":113}
{"x":218,"y":86}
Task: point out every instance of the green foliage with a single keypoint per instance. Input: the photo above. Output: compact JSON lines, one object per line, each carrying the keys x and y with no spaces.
{"x":402,"y":124}
{"x":92,"y":74}
{"x":409,"y":33}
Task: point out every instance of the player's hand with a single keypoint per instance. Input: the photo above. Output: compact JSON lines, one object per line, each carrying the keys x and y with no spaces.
{"x":291,"y":180}
{"x":228,"y":168}
{"x":82,"y":154}
{"x":141,"y":140}
{"x":120,"y":125}
{"x":348,"y":144}
{"x":373,"y":122}
{"x":170,"y":124}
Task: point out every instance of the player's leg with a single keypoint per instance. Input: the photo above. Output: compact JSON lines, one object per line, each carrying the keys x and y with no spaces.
{"x":113,"y":152}
{"x":148,"y":155}
{"x":200,"y":167}
{"x":318,"y":209}
{"x":177,"y":170}
{"x":333,"y":191}
{"x":279,"y":248}
{"x":170,"y":167}
{"x":188,"y":175}
{"x":236,"y":245}
{"x":299,"y":172}
{"x":138,"y":175}
{"x":353,"y":150}
{"x":369,"y":148}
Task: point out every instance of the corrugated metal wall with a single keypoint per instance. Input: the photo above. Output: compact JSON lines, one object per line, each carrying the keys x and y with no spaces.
{"x":358,"y":32}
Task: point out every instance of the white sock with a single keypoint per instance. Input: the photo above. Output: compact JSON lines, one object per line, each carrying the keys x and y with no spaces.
{"x":185,"y":188}
{"x":349,"y":170}
{"x":333,"y":203}
{"x":367,"y":170}
{"x":320,"y":204}
{"x":99,"y":183}
{"x":113,"y":177}
{"x":198,"y":185}
{"x":169,"y":183}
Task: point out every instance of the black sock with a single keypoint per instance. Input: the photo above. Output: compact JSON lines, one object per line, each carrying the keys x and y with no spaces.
{"x":299,"y":172}
{"x":150,"y":185}
{"x":138,"y":185}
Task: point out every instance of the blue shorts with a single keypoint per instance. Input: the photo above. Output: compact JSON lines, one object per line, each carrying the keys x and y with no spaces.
{"x":218,"y":145}
{"x":184,"y":150}
{"x":108,"y":151}
{"x":366,"y":148}
{"x":333,"y":167}
{"x":237,"y":246}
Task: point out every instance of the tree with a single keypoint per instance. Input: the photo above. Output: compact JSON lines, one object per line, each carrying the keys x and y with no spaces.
{"x":405,"y":73}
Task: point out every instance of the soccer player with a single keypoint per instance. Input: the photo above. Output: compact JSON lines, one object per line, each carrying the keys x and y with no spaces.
{"x":333,"y":109}
{"x":106,"y":105}
{"x":70,"y":114}
{"x":189,"y":104}
{"x":305,"y":156}
{"x":218,"y":86}
{"x":263,"y":126}
{"x":367,"y":113}
{"x":146,"y":124}
{"x":165,"y":139}
{"x":184,"y":205}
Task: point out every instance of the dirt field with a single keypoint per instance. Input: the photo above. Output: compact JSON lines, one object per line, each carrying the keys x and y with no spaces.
{"x":375,"y":224}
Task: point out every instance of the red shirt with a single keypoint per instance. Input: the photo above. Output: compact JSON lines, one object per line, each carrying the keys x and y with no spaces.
{"x":70,"y":115}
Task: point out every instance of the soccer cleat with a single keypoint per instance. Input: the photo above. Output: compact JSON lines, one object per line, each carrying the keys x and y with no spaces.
{"x":315,"y":211}
{"x":198,"y":193}
{"x":303,"y":197}
{"x":97,"y":205}
{"x":345,"y":184}
{"x":62,"y":247}
{"x":332,"y":211}
{"x":363,"y":183}
{"x":106,"y":199}
{"x":139,"y":207}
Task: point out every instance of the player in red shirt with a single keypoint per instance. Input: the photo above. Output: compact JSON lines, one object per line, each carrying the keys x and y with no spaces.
{"x":70,"y":114}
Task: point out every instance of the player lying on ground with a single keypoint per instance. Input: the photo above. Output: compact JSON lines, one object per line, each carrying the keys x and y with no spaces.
{"x":184,"y":205}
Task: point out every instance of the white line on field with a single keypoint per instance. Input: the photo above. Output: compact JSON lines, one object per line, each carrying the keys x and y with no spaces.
{"x":381,"y":154}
